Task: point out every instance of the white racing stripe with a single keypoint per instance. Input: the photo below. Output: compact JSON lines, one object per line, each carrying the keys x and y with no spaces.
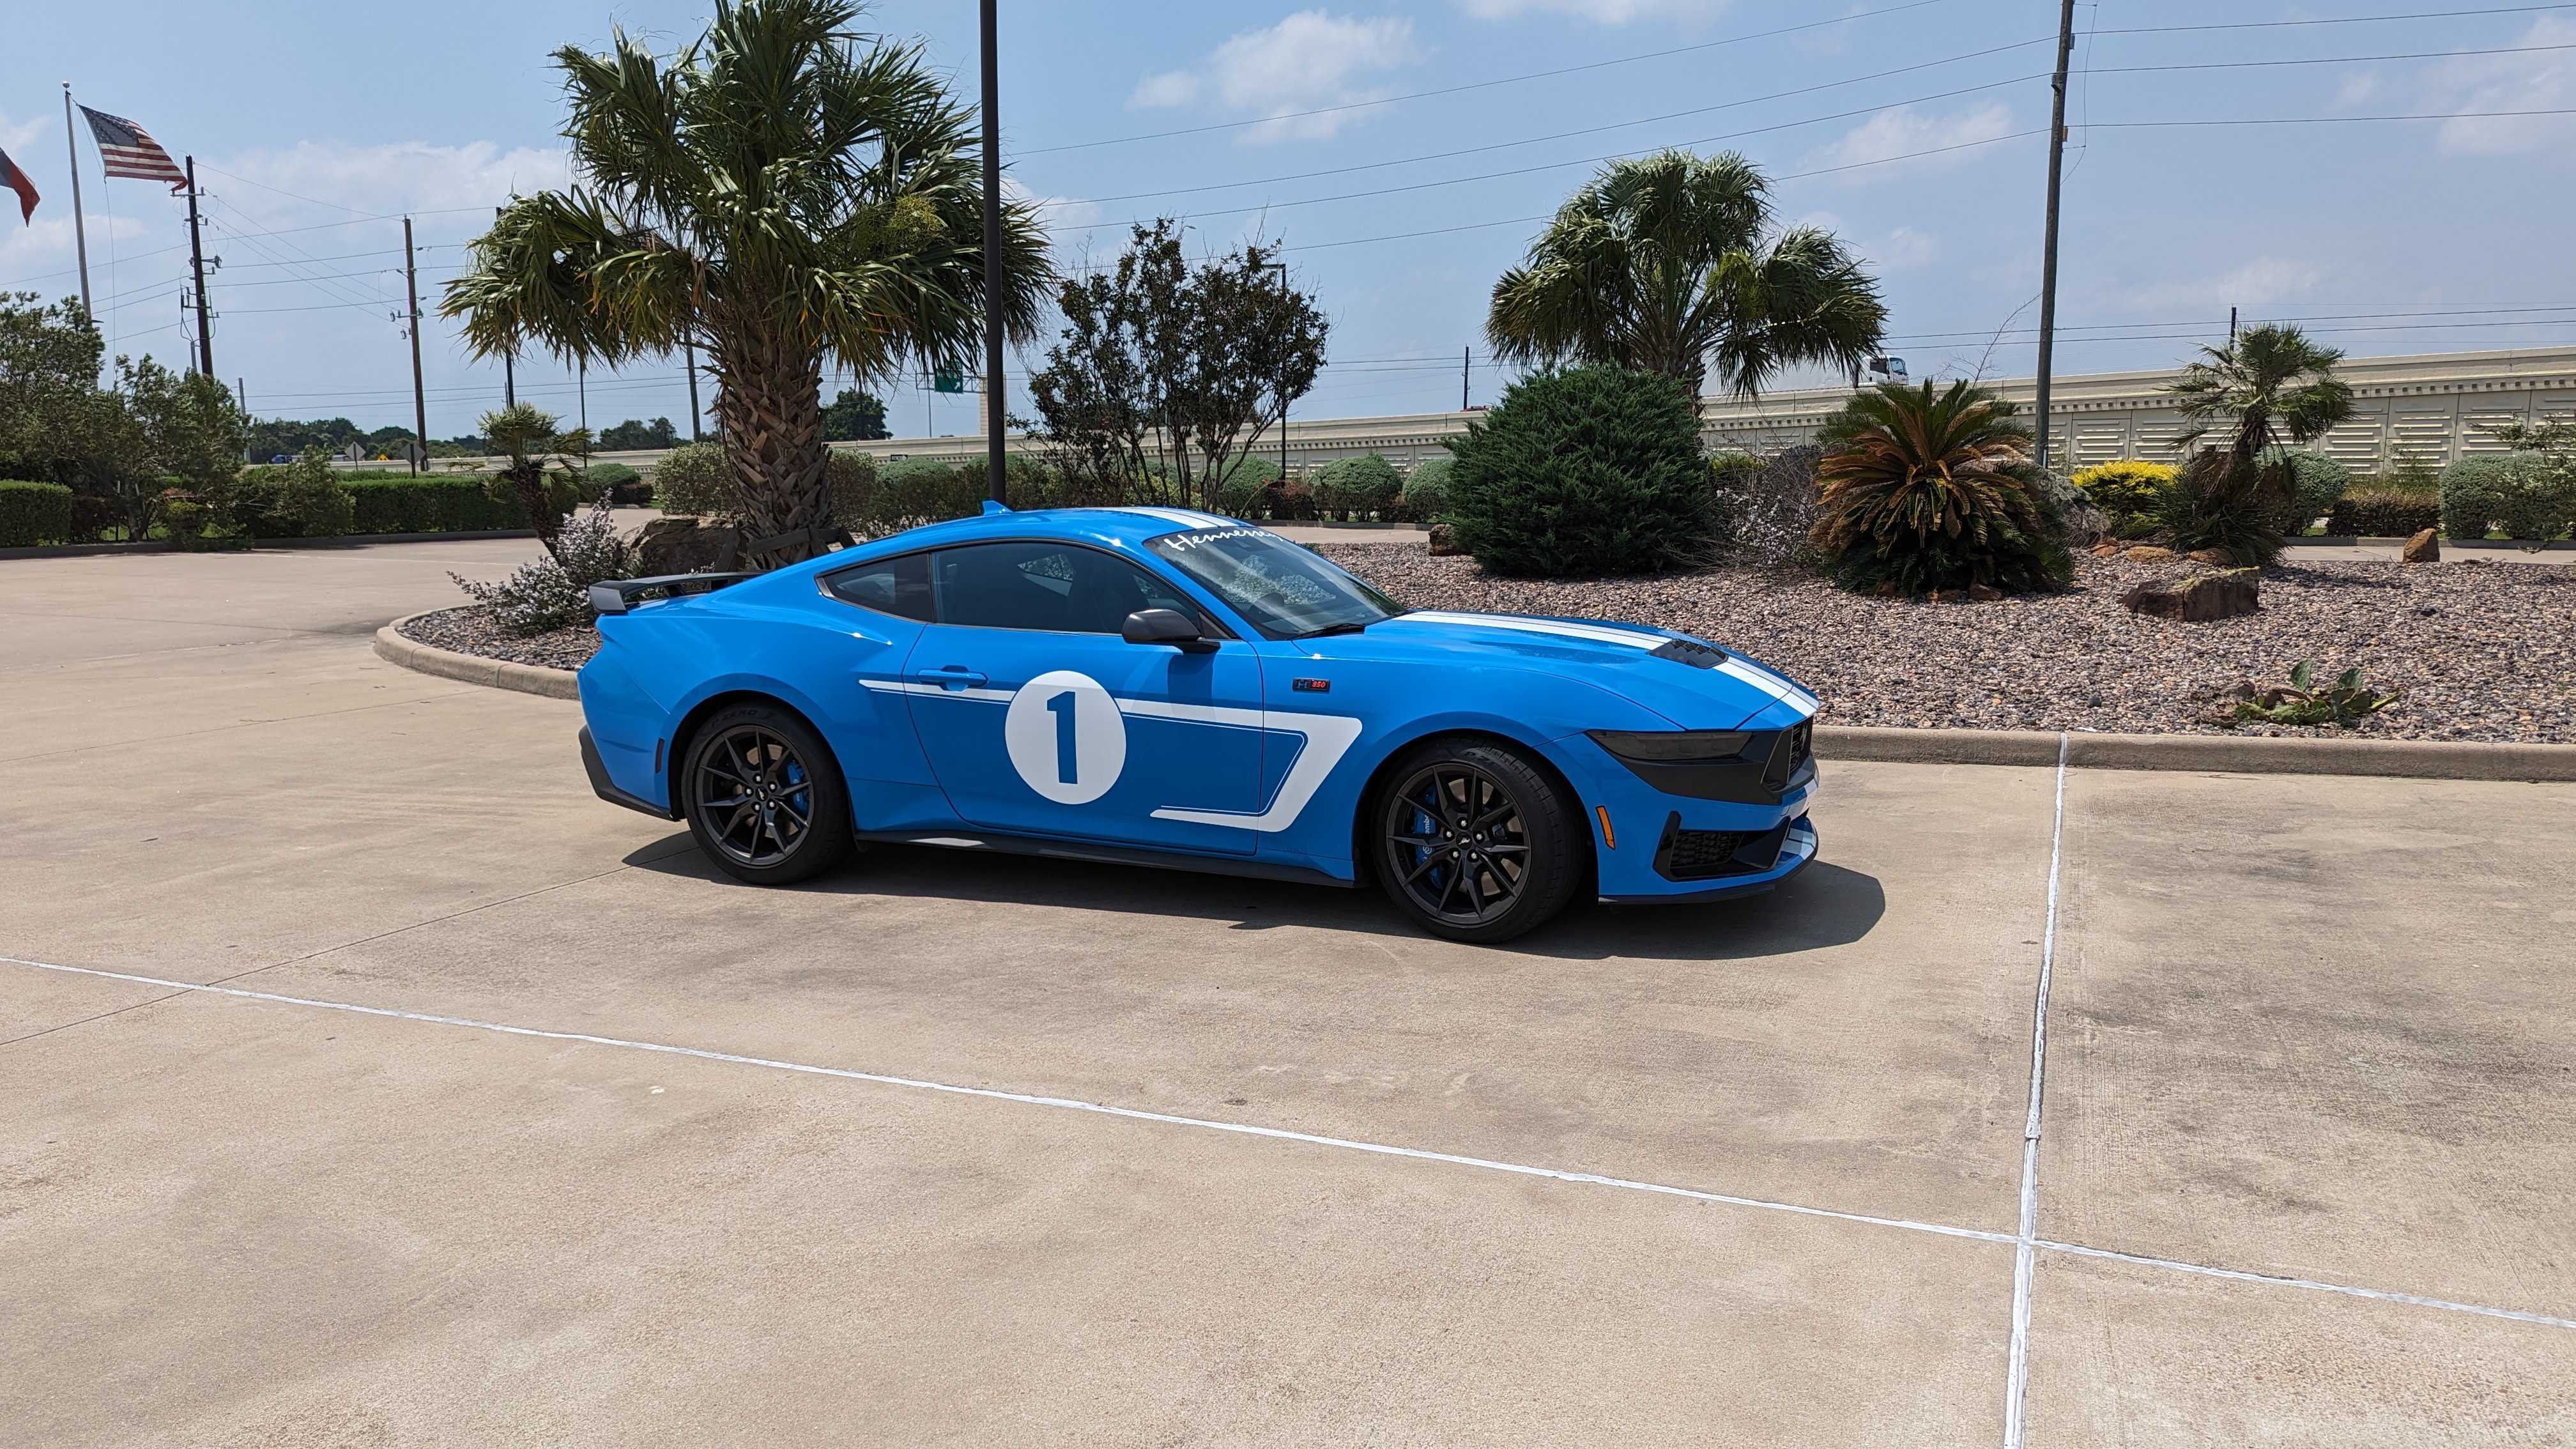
{"x":1595,"y":633}
{"x":906,"y":686}
{"x":1189,"y":518}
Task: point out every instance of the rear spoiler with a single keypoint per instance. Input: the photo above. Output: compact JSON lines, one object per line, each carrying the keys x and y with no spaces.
{"x":618,"y":595}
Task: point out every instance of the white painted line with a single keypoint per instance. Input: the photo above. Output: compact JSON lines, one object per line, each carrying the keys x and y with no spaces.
{"x":1591,"y":1179}
{"x":2279,"y":1280}
{"x":1066,"y":1103}
{"x":2017,"y":1376}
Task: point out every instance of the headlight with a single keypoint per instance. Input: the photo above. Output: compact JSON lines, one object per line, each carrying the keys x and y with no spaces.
{"x":1672,"y":745}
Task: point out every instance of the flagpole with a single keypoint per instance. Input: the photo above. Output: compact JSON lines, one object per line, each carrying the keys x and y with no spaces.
{"x":80,"y":233}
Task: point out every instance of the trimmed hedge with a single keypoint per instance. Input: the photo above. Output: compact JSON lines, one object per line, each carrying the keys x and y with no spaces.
{"x":1426,"y":489}
{"x":2320,"y":481}
{"x":2371,"y":512}
{"x":1349,"y":487}
{"x":1584,"y":473}
{"x":2126,"y":491}
{"x":2518,"y":492}
{"x":33,"y":513}
{"x":429,"y":504}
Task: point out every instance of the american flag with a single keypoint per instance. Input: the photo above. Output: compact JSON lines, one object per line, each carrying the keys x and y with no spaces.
{"x":129,"y":150}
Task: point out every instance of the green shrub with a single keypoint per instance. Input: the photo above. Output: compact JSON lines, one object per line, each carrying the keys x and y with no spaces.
{"x":1426,"y":489}
{"x":695,"y":479}
{"x":1924,"y":490}
{"x":617,"y":483}
{"x":2518,"y":492}
{"x":2318,"y":482}
{"x":429,"y":504}
{"x":2377,"y":512}
{"x":2218,"y":503}
{"x":2127,"y":492}
{"x":34,"y":513}
{"x":302,"y":499}
{"x":1582,"y":473}
{"x":1290,"y":500}
{"x":921,"y":489}
{"x":1246,"y":480}
{"x":1361,"y":485}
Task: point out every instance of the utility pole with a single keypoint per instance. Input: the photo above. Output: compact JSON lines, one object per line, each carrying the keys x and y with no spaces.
{"x":1282,"y":269}
{"x":2231,"y":326}
{"x":2048,"y":253}
{"x":241,"y":394}
{"x":197,"y":263}
{"x":584,"y":384}
{"x":80,"y":228}
{"x":994,"y":289}
{"x":419,"y":401}
{"x":1463,"y":354}
{"x":689,"y":351}
{"x":509,"y":367}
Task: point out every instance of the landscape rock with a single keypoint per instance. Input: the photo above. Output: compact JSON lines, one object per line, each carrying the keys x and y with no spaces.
{"x":2199,"y":599}
{"x":2106,"y":549}
{"x":2217,"y":558}
{"x":1983,"y":593}
{"x":687,"y":546}
{"x":2424,"y":547}
{"x":2149,"y":553}
{"x":1444,"y":542}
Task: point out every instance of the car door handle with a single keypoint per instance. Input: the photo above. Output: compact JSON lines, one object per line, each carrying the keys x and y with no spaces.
{"x":950,"y":676}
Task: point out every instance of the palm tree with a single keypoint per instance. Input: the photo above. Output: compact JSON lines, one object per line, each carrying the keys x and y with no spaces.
{"x":1920,"y":490}
{"x":784,"y":193}
{"x":1670,"y":263}
{"x":526,"y":436}
{"x":2268,"y":385}
{"x":2271,"y":383}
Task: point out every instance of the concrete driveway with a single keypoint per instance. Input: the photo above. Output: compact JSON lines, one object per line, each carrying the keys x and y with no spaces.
{"x":363,"y":1080}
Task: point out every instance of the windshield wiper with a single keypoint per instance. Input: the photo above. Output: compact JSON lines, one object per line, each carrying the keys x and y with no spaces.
{"x":1347,"y":626}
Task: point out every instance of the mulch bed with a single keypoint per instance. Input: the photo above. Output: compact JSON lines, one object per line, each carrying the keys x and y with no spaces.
{"x":2480,"y":651}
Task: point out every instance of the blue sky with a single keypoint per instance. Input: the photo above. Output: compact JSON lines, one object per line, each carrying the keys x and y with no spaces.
{"x":308,"y":119}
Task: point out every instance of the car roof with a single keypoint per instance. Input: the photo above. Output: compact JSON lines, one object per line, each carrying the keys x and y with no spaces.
{"x":1116,"y":527}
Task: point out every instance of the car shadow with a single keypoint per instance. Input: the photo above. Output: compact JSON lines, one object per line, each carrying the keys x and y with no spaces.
{"x":1825,"y":905}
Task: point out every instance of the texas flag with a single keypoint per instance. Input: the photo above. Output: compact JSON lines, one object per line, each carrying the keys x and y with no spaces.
{"x":16,"y":180}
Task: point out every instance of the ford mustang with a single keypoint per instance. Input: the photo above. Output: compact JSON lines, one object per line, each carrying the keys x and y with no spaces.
{"x":1165,"y":687}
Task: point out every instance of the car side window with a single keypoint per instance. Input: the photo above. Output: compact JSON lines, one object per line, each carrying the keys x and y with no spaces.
{"x":1044,"y":586}
{"x":897,"y":586}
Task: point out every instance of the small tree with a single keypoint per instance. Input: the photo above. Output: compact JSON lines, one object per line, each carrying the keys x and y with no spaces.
{"x":1165,"y":367}
{"x":1582,"y":473}
{"x":184,"y":425}
{"x":855,"y":417}
{"x":1925,"y":490}
{"x":541,"y":472}
{"x":2267,"y":387}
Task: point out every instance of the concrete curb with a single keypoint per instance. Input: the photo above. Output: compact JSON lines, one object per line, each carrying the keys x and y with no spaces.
{"x":471,"y":668}
{"x":343,"y":540}
{"x":2223,"y":754}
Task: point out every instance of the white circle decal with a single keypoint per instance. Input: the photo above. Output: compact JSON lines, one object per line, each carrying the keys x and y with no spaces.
{"x":1066,"y":737}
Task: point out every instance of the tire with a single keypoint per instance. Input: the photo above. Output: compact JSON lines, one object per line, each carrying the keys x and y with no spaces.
{"x":1518,"y":835}
{"x":765,"y":799}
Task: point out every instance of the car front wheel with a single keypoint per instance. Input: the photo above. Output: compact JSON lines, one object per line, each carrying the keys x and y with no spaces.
{"x":765,"y":799}
{"x":1477,"y":843}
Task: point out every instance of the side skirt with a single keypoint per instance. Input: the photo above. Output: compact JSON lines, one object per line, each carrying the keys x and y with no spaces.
{"x":1107,"y":855}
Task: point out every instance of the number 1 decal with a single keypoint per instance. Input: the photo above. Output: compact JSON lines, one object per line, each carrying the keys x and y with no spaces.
{"x":1061,"y":706}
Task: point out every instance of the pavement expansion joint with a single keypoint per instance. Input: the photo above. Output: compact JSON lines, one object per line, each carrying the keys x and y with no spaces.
{"x":2018,"y":1241}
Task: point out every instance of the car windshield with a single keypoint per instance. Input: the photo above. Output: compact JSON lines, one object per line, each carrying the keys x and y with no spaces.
{"x":1285,"y":591}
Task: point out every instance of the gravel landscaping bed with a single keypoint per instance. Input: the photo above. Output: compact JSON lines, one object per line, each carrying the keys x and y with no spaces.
{"x":2480,"y":651}
{"x":471,"y":629}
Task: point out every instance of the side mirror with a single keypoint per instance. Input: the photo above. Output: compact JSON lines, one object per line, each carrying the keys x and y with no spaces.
{"x":1165,"y":626}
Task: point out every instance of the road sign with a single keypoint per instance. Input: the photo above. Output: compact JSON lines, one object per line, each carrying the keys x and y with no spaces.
{"x":948,"y":380}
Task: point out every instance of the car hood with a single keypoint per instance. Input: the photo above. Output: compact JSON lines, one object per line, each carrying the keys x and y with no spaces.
{"x":1690,"y":681}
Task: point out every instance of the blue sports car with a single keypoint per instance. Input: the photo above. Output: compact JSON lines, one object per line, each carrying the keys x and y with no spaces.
{"x":1166,"y":687}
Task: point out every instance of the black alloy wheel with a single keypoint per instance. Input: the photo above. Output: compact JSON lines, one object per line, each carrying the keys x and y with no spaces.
{"x":765,"y":799}
{"x":1476,"y":843}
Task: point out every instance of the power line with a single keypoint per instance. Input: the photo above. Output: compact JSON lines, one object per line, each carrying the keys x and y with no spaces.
{"x":2338,"y":20}
{"x":1480,"y":85}
{"x":2331,"y":59}
{"x":2322,"y":120}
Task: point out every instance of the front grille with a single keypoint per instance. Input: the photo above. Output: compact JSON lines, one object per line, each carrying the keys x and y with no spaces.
{"x":1789,"y":756}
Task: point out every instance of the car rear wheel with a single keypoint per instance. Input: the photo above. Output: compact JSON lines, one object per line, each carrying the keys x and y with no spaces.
{"x":765,"y":800}
{"x":1476,"y":842}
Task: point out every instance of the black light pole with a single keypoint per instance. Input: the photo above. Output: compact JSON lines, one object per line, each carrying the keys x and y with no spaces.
{"x":509,"y":365}
{"x":995,"y":394}
{"x":1282,"y":269}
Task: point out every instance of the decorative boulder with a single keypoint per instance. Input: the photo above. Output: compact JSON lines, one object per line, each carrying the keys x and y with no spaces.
{"x":2149,"y":553}
{"x":2424,"y":547}
{"x":2200,"y":598}
{"x":685,"y":545}
{"x":1444,"y":542}
{"x":1983,"y":593}
{"x":2217,"y":558}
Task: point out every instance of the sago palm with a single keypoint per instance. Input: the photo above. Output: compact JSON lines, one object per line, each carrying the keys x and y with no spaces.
{"x":784,"y":192}
{"x":1922,"y":490}
{"x":1671,"y":263}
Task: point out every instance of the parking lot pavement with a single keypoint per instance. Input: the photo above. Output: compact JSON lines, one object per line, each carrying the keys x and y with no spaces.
{"x":2305,"y":1028}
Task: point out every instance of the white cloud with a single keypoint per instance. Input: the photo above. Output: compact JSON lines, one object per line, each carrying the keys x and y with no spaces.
{"x":2533,"y":81}
{"x":19,"y":137}
{"x":401,"y":176}
{"x":2258,"y":283}
{"x":1901,"y":250}
{"x":46,"y":242}
{"x":1059,"y":213}
{"x":2358,"y":89}
{"x":1601,"y":12}
{"x":1308,"y":60}
{"x":1907,"y":131}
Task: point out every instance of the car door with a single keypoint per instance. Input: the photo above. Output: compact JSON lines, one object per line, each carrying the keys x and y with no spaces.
{"x":1039,"y":719}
